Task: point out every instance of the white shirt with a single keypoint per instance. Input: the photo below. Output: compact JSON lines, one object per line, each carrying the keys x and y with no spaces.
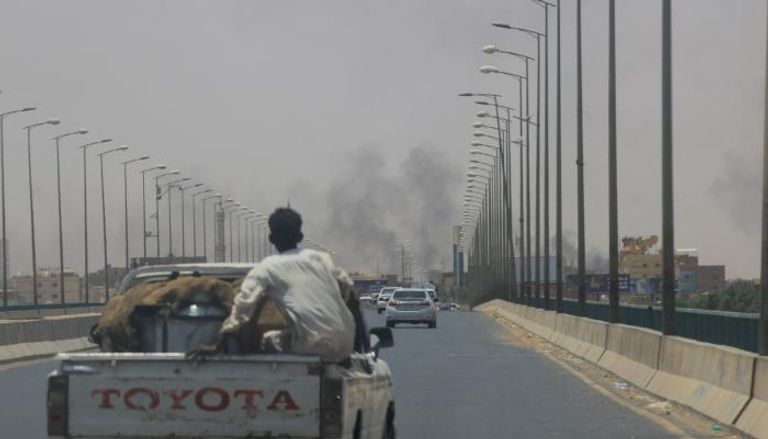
{"x":305,"y":284}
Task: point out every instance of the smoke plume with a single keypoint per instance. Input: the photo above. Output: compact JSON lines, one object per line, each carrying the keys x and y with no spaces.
{"x":372,"y":205}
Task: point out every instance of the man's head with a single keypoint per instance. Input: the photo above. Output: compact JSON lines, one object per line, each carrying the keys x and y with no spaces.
{"x":285,"y":229}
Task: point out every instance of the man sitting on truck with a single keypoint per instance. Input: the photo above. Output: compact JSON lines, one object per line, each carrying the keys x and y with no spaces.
{"x":306,"y":286}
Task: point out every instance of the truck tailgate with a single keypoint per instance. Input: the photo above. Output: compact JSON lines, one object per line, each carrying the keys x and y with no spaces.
{"x":162,"y":395}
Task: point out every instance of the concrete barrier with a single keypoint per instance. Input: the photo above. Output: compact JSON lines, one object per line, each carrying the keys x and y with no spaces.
{"x":31,"y":339}
{"x":632,"y":353}
{"x":754,"y":418}
{"x":714,"y":380}
{"x":594,"y":334}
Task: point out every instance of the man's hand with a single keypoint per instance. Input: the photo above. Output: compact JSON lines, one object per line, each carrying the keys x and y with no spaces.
{"x":200,"y":353}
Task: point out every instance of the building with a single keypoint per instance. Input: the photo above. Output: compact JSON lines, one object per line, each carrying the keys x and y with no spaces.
{"x":115,"y":276}
{"x":48,"y":286}
{"x":710,"y":277}
{"x":639,"y":259}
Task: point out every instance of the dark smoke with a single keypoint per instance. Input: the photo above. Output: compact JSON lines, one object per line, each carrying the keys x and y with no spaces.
{"x":738,"y":192}
{"x":372,"y":205}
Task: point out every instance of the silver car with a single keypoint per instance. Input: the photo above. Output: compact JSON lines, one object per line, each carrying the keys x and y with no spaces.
{"x":383,"y":298}
{"x":411,"y":305}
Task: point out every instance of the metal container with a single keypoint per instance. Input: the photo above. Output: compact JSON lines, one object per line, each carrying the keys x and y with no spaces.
{"x":158,"y":329}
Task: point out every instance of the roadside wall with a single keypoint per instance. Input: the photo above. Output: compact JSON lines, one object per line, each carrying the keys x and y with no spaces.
{"x":754,"y":419}
{"x":724,"y":383}
{"x":30,"y":339}
{"x":714,"y":380}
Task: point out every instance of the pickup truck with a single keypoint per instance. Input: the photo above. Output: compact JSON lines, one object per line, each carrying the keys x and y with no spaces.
{"x":169,"y":395}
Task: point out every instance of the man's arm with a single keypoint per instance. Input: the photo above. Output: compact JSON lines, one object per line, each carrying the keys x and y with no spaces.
{"x":245,"y":302}
{"x":345,"y":283}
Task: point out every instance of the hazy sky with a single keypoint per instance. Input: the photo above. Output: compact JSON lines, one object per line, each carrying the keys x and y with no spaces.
{"x":349,"y":109}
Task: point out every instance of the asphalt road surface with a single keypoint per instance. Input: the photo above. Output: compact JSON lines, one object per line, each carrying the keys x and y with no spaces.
{"x":460,"y":380}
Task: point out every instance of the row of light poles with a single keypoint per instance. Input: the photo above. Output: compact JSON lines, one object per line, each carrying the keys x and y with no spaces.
{"x":256,"y":223}
{"x":482,"y":233}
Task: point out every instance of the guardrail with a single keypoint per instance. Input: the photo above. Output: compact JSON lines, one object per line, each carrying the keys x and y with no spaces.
{"x":733,"y":329}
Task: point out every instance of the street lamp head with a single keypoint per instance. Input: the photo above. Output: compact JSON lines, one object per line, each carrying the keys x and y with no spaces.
{"x":483,"y":114}
{"x":105,"y":140}
{"x":144,"y":157}
{"x":489,"y":69}
{"x":478,"y":125}
{"x":501,"y":25}
{"x":479,"y":134}
{"x":82,"y":131}
{"x":490,"y":49}
{"x":482,"y":103}
{"x":174,"y":173}
{"x":466,"y":94}
{"x":475,"y":143}
{"x":121,"y":148}
{"x":53,"y":121}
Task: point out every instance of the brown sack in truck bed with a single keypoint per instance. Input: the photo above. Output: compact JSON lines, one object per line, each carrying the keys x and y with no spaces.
{"x":114,"y":326}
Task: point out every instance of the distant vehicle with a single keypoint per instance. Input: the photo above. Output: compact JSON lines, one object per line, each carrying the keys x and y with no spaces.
{"x":435,"y":300}
{"x":158,"y":392}
{"x":455,"y":306}
{"x":383,"y":298}
{"x":367,"y":301}
{"x":411,"y":305}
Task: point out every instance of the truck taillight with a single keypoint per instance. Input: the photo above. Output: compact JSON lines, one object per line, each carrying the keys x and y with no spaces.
{"x":333,"y":389}
{"x":57,"y":405}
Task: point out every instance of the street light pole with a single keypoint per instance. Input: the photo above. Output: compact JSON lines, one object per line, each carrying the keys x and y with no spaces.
{"x":85,"y":211}
{"x":763,"y":329}
{"x":158,"y":195}
{"x":546,"y":156}
{"x":559,"y":179}
{"x":144,"y":202}
{"x":104,"y":216}
{"x":538,"y":36}
{"x":2,"y":197}
{"x":125,"y":201}
{"x":171,"y":185}
{"x":205,"y":216}
{"x":582,"y":284}
{"x":31,"y":202}
{"x":58,"y":191}
{"x":613,"y":215}
{"x":183,"y":214}
{"x":194,"y":218}
{"x":667,"y":170}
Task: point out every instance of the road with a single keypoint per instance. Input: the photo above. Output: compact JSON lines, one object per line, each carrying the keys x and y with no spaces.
{"x":460,"y":380}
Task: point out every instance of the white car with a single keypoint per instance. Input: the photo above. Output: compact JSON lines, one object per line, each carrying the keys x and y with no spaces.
{"x":411,"y":305}
{"x":383,"y":298}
